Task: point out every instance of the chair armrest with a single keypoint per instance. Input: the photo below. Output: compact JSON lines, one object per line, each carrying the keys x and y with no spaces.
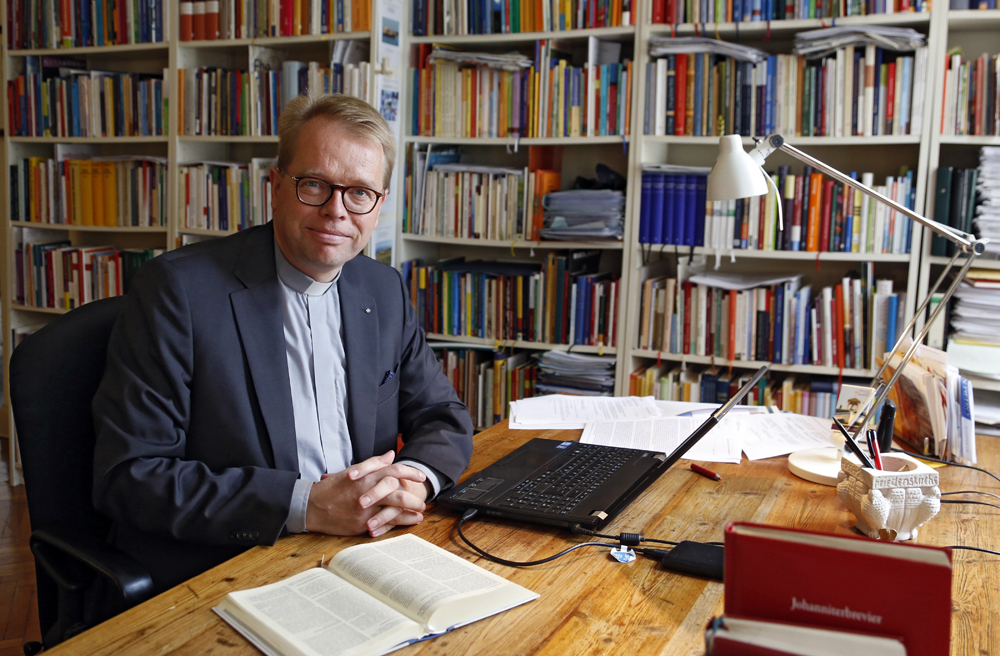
{"x":71,"y":558}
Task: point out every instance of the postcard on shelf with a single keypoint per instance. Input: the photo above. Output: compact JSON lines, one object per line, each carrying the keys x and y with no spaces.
{"x":370,"y":599}
{"x":840,"y":582}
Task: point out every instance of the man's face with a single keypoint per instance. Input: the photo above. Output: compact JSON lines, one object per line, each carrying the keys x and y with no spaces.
{"x":318,"y":241}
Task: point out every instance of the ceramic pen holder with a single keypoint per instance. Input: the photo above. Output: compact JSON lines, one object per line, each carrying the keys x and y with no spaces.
{"x":890,"y":503}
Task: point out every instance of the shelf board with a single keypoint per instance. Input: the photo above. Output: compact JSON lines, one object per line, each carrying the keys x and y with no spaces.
{"x":884,"y":140}
{"x":207,"y":232}
{"x":760,"y":29}
{"x":93,"y":50}
{"x":90,"y":140}
{"x":973,"y":20}
{"x":43,"y":310}
{"x":276,"y":40}
{"x":527,"y":141}
{"x":981,"y":262}
{"x":221,"y":138}
{"x":479,"y":39}
{"x":981,"y":384}
{"x":970,"y":140}
{"x":510,"y":343}
{"x":779,"y":255}
{"x":813,"y":370}
{"x":499,"y":243}
{"x":86,"y":228}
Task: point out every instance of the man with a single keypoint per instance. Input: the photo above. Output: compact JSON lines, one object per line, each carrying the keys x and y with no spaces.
{"x":257,"y":384}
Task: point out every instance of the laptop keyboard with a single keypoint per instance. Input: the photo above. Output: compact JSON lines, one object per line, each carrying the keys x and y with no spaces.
{"x":558,"y":491}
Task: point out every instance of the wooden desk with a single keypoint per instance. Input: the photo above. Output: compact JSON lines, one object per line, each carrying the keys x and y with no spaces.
{"x":589,"y":603}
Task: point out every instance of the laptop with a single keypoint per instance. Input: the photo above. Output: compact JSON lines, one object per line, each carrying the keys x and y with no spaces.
{"x":569,"y":484}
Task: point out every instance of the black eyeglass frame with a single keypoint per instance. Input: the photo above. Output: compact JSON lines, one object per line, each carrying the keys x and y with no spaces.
{"x":333,"y":187}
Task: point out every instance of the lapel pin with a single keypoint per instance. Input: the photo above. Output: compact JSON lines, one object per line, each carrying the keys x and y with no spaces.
{"x":368,"y":310}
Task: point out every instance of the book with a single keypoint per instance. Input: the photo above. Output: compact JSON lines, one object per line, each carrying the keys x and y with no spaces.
{"x":370,"y":599}
{"x":734,"y":636}
{"x":840,"y":582}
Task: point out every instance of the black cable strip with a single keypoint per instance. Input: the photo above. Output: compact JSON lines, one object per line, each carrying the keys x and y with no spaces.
{"x":469,"y":514}
{"x":989,"y":551}
{"x":989,"y":494}
{"x":945,"y":462}
{"x":978,"y":503}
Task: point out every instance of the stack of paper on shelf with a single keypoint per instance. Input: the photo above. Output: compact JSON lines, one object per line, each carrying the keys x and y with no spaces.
{"x":815,"y":43}
{"x":987,"y":221}
{"x":583,"y":214}
{"x":572,"y":373}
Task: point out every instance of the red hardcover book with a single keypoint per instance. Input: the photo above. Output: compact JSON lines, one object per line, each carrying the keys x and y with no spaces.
{"x":840,"y":582}
{"x":680,"y":93}
{"x":796,"y":218}
{"x":890,"y":97}
{"x":670,"y":13}
{"x":212,"y":19}
{"x":187,"y":20}
{"x":659,"y":11}
{"x":687,"y":317}
{"x":837,"y":312}
{"x":198,"y":20}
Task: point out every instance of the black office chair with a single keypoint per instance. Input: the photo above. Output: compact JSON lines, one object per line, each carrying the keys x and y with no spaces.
{"x":54,"y":373}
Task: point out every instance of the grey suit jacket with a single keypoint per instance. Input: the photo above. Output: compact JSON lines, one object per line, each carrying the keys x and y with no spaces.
{"x":196,"y":458}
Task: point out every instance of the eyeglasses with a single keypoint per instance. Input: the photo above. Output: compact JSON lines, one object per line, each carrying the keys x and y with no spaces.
{"x":316,"y":192}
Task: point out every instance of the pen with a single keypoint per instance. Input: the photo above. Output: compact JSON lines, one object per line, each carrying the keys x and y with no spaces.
{"x":873,"y":447}
{"x":707,"y":473}
{"x":853,"y":446}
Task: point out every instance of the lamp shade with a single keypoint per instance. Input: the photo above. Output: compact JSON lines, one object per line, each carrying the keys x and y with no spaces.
{"x":735,"y":174}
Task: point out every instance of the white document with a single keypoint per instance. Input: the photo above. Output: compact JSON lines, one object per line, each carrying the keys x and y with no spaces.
{"x":767,"y":436}
{"x":665,"y":434}
{"x":565,"y":411}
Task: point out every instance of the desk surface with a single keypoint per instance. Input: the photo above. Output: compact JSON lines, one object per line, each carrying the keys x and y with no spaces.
{"x":589,"y":603}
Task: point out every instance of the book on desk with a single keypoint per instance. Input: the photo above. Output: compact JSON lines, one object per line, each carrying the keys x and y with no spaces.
{"x":789,"y":588}
{"x":370,"y":599}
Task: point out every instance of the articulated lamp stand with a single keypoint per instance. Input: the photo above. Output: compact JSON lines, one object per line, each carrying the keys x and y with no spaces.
{"x":737,"y":174}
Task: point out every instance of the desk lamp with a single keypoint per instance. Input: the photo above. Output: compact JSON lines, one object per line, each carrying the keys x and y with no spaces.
{"x":738,"y":174}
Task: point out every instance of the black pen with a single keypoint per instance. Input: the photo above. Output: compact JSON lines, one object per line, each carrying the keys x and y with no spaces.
{"x":853,"y":446}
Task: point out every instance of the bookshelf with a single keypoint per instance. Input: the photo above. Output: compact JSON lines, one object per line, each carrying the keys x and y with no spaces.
{"x":974,"y":33}
{"x":172,"y":146}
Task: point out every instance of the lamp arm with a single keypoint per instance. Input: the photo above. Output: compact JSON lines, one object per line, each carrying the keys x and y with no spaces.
{"x":968,"y":243}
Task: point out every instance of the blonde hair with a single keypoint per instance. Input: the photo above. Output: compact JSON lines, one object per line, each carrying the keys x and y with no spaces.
{"x":360,"y":119}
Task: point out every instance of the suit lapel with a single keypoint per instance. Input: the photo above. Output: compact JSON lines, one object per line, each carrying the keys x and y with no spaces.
{"x":359,"y":318}
{"x":258,"y":318}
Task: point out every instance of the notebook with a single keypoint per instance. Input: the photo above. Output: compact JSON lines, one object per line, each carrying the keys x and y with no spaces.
{"x":567,"y":484}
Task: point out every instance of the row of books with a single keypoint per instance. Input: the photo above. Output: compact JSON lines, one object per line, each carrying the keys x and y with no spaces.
{"x":77,"y":24}
{"x":106,"y":191}
{"x":461,"y":17}
{"x":954,"y":204}
{"x":221,"y":101}
{"x":970,"y":96}
{"x":816,"y":397}
{"x":487,"y":380}
{"x":248,"y":19}
{"x":56,"y":274}
{"x":560,"y":301}
{"x":737,"y":11}
{"x":225,"y":195}
{"x":58,"y":97}
{"x":857,"y":91}
{"x":552,"y":98}
{"x":846,"y":325}
{"x":819,"y":215}
{"x":480,"y":202}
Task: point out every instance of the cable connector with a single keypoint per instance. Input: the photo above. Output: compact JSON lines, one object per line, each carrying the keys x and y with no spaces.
{"x":579,"y":530}
{"x":469,"y":514}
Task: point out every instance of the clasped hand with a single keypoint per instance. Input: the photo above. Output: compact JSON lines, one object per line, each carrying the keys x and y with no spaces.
{"x":373,"y":496}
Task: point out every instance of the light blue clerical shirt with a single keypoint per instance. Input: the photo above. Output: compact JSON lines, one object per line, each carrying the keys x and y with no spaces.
{"x":314,"y":348}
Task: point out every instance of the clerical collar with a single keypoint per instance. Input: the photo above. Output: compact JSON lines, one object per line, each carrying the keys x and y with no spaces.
{"x":296,"y":280}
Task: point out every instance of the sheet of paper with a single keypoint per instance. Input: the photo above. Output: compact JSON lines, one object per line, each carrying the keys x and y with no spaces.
{"x":564,"y":411}
{"x":767,"y":436}
{"x":665,"y":434}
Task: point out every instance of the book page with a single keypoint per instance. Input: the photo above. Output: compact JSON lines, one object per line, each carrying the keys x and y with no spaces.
{"x":427,"y":583}
{"x":316,"y":613}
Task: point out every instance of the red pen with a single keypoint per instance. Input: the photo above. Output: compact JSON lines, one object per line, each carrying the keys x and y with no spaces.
{"x":873,"y":447}
{"x":707,"y":473}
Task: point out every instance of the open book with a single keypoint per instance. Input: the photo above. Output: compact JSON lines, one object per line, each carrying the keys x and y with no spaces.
{"x":370,"y":599}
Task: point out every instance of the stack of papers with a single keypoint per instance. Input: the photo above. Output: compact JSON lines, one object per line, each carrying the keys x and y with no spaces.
{"x":661,"y":46}
{"x":987,"y":220}
{"x":974,"y":313}
{"x":583,"y":214}
{"x":558,"y":411}
{"x":560,"y":372}
{"x":700,"y":275}
{"x":507,"y":61}
{"x":816,"y":43}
